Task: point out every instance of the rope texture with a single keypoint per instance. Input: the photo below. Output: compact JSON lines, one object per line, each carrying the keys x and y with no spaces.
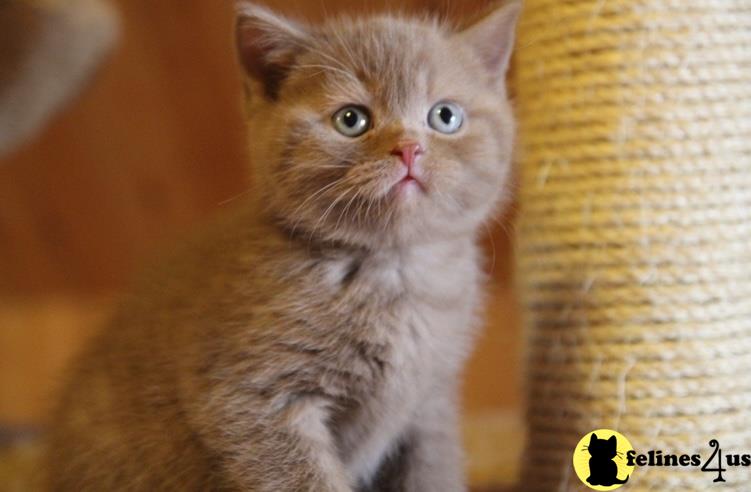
{"x":634,"y":244}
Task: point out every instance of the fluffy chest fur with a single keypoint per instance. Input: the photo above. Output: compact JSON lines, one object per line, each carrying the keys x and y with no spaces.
{"x":360,"y":340}
{"x":403,"y":323}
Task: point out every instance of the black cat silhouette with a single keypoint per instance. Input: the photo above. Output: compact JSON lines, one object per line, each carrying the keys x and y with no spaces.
{"x":602,"y":469}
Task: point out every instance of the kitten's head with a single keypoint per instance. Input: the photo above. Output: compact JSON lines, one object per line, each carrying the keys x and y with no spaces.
{"x":378,"y":130}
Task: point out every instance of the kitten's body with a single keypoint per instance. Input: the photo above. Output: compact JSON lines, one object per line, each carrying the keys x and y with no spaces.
{"x":287,"y":352}
{"x":363,"y":341}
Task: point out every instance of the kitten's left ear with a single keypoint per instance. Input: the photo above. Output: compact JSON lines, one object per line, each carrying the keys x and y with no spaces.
{"x":493,"y":36}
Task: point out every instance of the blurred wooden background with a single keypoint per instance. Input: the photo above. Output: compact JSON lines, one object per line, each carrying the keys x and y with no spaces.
{"x":155,"y":145}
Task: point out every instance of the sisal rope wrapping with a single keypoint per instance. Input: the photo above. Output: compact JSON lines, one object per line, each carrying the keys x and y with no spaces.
{"x":634,"y":249}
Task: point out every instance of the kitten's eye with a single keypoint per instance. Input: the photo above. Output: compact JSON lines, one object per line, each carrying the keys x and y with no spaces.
{"x":446,"y":117}
{"x":352,"y":121}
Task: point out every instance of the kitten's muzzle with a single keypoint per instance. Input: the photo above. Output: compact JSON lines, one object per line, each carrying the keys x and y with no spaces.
{"x":409,"y":152}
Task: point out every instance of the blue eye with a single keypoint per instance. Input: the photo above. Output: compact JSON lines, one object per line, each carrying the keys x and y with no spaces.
{"x":352,"y":121}
{"x":446,"y":117}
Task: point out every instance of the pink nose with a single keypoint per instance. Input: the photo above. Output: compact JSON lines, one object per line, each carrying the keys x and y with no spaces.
{"x":408,"y":151}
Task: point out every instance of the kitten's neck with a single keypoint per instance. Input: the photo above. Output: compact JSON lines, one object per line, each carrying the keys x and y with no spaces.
{"x":317,"y":245}
{"x":440,"y":270}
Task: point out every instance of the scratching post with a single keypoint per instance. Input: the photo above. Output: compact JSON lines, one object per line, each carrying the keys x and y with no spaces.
{"x":48,"y":49}
{"x":634,"y":250}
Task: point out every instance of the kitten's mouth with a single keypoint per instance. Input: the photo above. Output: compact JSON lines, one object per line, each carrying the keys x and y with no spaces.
{"x":410,"y":181}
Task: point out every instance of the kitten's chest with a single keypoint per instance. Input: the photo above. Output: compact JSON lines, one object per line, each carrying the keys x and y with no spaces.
{"x":418,"y":311}
{"x":421,"y":316}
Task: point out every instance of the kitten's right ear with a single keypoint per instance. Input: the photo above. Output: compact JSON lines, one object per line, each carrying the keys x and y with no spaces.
{"x":266,"y":45}
{"x":493,"y":36}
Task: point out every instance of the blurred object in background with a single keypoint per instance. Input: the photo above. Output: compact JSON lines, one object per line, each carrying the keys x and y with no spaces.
{"x":155,"y":145}
{"x":48,"y":50}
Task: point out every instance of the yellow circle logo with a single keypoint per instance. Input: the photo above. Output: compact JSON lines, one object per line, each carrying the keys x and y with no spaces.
{"x":600,"y":460}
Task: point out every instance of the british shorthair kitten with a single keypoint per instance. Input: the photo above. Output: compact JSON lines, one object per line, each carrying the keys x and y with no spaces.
{"x":312,"y":339}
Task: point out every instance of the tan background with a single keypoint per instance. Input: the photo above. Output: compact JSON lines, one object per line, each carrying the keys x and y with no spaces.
{"x":154,"y":146}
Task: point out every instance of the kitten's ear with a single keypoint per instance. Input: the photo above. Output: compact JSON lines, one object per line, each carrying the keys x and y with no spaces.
{"x":592,"y":438}
{"x":613,"y":439}
{"x":493,"y":35}
{"x":267,"y":44}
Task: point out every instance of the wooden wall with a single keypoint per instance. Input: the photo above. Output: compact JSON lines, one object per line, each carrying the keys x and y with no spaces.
{"x":154,"y":145}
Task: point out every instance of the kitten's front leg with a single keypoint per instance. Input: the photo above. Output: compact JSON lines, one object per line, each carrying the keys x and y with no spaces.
{"x":434,"y":458}
{"x":286,"y":451}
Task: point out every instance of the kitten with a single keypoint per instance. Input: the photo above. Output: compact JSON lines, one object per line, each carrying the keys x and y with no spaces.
{"x":312,"y":340}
